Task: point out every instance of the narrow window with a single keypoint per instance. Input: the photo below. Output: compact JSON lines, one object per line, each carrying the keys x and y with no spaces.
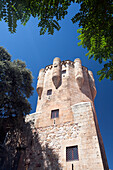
{"x":72,"y":167}
{"x":49,"y":92}
{"x":63,"y":71}
{"x":54,"y":114}
{"x":55,"y":65}
{"x":72,"y":153}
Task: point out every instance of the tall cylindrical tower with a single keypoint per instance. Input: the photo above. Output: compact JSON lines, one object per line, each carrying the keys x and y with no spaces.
{"x":65,"y":119}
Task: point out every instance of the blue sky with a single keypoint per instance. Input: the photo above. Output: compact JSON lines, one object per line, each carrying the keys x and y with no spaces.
{"x":38,"y":51}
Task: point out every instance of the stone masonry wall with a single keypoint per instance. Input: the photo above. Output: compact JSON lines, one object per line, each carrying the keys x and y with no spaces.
{"x":63,"y":97}
{"x":81,"y":132}
{"x":72,"y":93}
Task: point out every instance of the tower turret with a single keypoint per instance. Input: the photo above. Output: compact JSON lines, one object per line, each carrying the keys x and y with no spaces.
{"x":56,"y":73}
{"x":40,"y":83}
{"x":92,"y":84}
{"x":78,"y":72}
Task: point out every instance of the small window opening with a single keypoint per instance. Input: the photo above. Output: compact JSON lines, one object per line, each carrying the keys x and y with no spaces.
{"x":54,"y":122}
{"x":72,"y":153}
{"x":54,"y":114}
{"x":72,"y":167}
{"x":49,"y":92}
{"x":63,"y":71}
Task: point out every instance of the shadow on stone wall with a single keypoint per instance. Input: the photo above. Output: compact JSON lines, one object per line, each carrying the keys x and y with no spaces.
{"x":23,"y":151}
{"x":84,"y":88}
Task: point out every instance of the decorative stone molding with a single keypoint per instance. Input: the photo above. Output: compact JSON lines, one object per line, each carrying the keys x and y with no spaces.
{"x":81,"y":107}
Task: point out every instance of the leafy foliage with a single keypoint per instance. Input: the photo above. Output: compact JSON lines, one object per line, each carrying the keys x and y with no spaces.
{"x":95,"y":21}
{"x":15,"y":86}
{"x":48,"y":12}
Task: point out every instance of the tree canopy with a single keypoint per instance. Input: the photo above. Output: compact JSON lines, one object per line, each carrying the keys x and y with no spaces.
{"x":95,"y":21}
{"x":96,"y":32}
{"x":47,"y":12}
{"x":15,"y":87}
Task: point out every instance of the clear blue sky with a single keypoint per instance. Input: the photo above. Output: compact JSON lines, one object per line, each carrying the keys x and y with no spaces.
{"x":38,"y":51}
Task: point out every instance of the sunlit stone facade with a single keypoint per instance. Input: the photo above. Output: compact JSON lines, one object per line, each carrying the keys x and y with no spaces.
{"x":65,"y":120}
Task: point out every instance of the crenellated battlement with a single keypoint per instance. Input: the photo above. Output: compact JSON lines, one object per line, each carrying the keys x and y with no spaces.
{"x":71,"y":68}
{"x":71,"y":63}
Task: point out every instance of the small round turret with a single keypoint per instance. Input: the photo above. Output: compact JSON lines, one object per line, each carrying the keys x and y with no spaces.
{"x":56,"y":74}
{"x":78,"y":72}
{"x":92,"y":84}
{"x":40,"y":83}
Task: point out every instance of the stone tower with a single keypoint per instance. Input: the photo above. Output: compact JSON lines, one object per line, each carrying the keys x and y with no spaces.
{"x":65,"y":118}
